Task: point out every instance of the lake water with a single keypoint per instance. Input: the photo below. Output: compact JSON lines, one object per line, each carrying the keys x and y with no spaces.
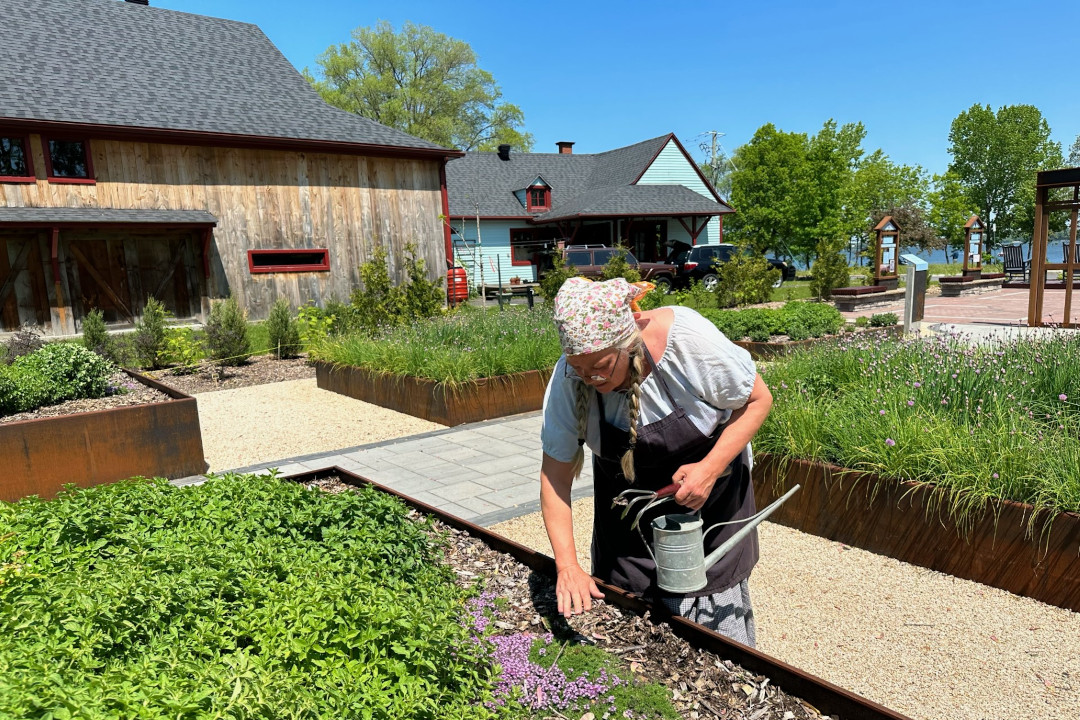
{"x":1054,"y":253}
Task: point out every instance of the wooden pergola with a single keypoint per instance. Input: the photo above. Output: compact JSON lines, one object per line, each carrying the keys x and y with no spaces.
{"x":1055,"y":191}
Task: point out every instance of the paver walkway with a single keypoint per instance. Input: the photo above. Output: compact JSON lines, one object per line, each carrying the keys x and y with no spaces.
{"x":484,"y":472}
{"x":1006,"y":307}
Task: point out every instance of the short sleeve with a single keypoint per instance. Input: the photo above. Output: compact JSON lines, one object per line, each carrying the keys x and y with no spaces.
{"x":720,"y":372}
{"x":558,"y":434}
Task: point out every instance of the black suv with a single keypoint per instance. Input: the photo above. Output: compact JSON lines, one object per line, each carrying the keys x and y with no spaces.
{"x":698,"y":263}
{"x":589,"y":261}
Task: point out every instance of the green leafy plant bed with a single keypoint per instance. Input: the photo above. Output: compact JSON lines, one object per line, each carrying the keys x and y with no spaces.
{"x":91,"y":448}
{"x":1004,"y":544}
{"x":980,"y":425}
{"x":466,"y":366}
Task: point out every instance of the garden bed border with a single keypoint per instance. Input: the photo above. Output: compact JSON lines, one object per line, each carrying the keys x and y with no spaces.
{"x":907,"y":521}
{"x":158,"y":439}
{"x":856,"y":302}
{"x":827,"y":698}
{"x":768,"y":350}
{"x":472,"y":401}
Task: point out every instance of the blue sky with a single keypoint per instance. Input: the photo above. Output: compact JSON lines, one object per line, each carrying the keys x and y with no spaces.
{"x":606,"y":74}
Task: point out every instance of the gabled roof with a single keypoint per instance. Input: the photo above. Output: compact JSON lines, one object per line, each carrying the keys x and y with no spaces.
{"x":121,"y":65}
{"x":581,"y":184}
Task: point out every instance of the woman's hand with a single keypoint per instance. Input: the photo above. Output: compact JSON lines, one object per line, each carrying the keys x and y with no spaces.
{"x":697,"y":480}
{"x":575,"y":590}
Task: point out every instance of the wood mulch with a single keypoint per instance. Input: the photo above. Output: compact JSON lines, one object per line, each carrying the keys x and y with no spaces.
{"x":702,"y":684}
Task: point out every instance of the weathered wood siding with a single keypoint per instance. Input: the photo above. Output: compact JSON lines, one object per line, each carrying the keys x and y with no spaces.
{"x":266,"y":199}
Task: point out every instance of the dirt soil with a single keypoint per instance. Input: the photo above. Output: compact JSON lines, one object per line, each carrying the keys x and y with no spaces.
{"x":703,"y":685}
{"x":259,"y":370}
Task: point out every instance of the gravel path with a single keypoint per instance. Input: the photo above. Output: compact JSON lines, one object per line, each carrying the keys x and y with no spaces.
{"x":247,"y":426}
{"x":919,"y":642}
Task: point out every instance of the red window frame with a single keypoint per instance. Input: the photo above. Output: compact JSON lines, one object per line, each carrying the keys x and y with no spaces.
{"x":545,"y":195}
{"x":320,"y":260}
{"x":88,"y":180}
{"x":30,"y":176}
{"x":520,"y":235}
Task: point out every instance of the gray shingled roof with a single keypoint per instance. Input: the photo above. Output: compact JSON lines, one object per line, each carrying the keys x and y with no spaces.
{"x":24,"y":215}
{"x":636,"y":200}
{"x":582,"y":184}
{"x":114,"y":63}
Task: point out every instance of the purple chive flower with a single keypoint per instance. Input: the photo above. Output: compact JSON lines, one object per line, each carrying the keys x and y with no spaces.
{"x":910,"y":403}
{"x":890,"y":442}
{"x":881,"y":412}
{"x":995,"y":476}
{"x":918,"y":384}
{"x":1063,"y":397}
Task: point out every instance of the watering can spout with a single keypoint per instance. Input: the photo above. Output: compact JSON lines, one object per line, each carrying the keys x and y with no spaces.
{"x":745,"y":530}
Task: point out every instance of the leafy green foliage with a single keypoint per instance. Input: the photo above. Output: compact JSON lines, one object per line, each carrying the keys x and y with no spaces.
{"x":796,"y":320}
{"x":995,"y":158}
{"x":315,"y":324}
{"x":149,"y":338}
{"x":618,"y":267}
{"x":246,"y":597}
{"x":284,"y":333}
{"x":380,"y":303}
{"x":883,"y":319}
{"x":745,"y":279}
{"x":467,"y":344}
{"x":696,"y":296}
{"x":830,"y":269}
{"x":95,"y":338}
{"x":422,"y":82}
{"x":227,"y":333}
{"x":52,"y":374}
{"x":554,"y":278}
{"x":181,"y":351}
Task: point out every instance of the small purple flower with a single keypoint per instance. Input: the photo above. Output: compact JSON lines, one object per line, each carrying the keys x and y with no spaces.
{"x":918,"y":385}
{"x":890,"y":442}
{"x":995,"y":476}
{"x":881,"y":412}
{"x":1063,"y":397}
{"x":910,"y":403}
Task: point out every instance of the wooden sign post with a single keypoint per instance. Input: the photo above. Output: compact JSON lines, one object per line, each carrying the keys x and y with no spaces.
{"x":974,"y":232}
{"x":888,"y":245}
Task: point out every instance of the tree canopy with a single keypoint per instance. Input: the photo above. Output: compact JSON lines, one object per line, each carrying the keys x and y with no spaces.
{"x":422,"y":82}
{"x":1074,"y":153}
{"x":995,"y":158}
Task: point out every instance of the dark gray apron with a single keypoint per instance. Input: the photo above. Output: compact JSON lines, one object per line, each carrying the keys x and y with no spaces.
{"x":618,"y":553}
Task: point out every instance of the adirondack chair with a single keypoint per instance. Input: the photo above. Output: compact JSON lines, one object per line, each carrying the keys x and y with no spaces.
{"x":1015,"y":264}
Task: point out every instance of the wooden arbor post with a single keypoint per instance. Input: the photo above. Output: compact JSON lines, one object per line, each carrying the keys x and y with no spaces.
{"x":888,"y":245}
{"x":974,"y":232}
{"x":1055,"y":191}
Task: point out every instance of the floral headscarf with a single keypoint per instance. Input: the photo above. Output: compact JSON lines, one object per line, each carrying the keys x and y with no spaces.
{"x":593,"y":316}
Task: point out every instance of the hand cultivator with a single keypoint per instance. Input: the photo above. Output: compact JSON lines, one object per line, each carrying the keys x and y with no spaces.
{"x":628,"y":498}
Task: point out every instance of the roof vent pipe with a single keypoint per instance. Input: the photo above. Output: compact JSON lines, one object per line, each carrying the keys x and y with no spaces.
{"x":504,"y":152}
{"x":565,"y":147}
{"x":138,"y":2}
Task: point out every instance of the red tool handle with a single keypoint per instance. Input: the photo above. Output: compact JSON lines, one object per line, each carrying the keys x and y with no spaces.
{"x":668,"y":490}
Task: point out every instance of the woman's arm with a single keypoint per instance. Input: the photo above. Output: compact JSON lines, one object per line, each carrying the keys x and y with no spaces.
{"x":697,"y":479}
{"x":574,"y":588}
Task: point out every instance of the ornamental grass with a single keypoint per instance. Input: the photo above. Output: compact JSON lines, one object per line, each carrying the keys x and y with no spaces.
{"x":467,"y":344}
{"x":999,"y":421}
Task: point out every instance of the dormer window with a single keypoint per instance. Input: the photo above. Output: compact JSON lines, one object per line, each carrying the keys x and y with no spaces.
{"x":539,"y":198}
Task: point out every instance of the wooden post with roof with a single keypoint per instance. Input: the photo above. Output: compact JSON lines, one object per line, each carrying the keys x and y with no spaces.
{"x":888,"y":245}
{"x":1055,"y":191}
{"x":974,"y":232}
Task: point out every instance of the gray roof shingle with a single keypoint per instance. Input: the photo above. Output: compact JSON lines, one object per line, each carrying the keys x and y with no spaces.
{"x":23,"y":215}
{"x":114,"y":63}
{"x":582,"y":184}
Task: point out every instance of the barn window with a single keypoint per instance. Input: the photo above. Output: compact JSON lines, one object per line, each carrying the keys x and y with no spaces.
{"x":277,"y":261}
{"x":15,"y":163}
{"x":69,"y":161}
{"x":539,"y":198}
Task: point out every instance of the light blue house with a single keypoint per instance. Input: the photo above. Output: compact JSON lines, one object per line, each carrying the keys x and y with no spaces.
{"x":509,"y":211}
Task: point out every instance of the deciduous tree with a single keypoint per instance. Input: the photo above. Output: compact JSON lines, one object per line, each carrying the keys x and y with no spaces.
{"x":995,"y":158}
{"x":422,"y":82}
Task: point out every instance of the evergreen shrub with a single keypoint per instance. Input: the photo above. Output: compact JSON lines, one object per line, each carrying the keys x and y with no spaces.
{"x":227,"y":333}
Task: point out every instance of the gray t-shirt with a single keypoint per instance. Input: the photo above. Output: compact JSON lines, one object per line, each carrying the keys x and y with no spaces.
{"x":707,"y":374}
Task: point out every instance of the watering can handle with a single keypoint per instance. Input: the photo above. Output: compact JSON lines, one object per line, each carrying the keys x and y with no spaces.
{"x":765,"y":512}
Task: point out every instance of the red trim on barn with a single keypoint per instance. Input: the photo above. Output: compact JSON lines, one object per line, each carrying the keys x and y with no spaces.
{"x":197,"y":137}
{"x":27,"y":153}
{"x":88,"y":180}
{"x":448,"y":241}
{"x":320,"y":260}
{"x":545,"y":198}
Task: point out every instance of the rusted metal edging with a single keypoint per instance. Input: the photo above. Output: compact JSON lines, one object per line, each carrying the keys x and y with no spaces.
{"x":827,"y":698}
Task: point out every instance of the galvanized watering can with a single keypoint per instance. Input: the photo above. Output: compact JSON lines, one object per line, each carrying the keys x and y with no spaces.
{"x":679,"y":547}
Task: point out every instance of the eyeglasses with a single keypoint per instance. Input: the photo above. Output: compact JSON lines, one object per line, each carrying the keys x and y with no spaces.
{"x":571,"y":374}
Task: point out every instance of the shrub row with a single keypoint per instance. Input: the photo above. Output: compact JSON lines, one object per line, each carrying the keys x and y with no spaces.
{"x":797,"y":320}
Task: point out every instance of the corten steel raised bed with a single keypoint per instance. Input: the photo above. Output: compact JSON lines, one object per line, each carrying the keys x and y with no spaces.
{"x":468,"y":402}
{"x":828,"y":698}
{"x":910,"y":522}
{"x":160,"y":439}
{"x":766,"y":350}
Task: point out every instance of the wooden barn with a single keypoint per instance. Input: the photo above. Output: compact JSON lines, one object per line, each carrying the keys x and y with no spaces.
{"x":183,"y":157}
